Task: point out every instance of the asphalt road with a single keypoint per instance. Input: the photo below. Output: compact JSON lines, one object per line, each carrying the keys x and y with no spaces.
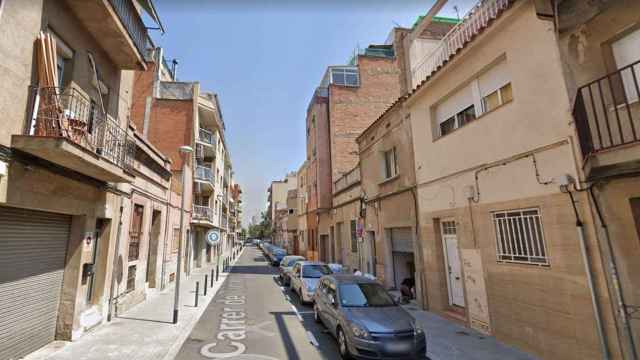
{"x":253,"y":317}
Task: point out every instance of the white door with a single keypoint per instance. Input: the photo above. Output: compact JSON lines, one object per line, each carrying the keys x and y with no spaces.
{"x":452,"y":262}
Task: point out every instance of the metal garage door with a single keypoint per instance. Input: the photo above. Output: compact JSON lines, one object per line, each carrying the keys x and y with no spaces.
{"x":32,"y":254}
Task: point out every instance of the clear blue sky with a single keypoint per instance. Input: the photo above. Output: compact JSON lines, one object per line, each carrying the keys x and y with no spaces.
{"x":264,"y":59}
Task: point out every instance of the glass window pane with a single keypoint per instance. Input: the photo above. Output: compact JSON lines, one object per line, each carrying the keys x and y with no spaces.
{"x":506,"y":93}
{"x":447,"y":126}
{"x":491,"y":101}
{"x":466,"y":115}
{"x":351,"y":79}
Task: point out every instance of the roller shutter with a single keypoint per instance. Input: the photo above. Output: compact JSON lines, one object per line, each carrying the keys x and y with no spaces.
{"x":32,"y":254}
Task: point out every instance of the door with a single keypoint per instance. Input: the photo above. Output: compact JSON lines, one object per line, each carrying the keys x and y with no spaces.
{"x":452,"y":263}
{"x":402,"y":254}
{"x":33,"y":247}
{"x":332,"y":309}
{"x":152,"y":256}
{"x":324,"y":248}
{"x":332,"y":237}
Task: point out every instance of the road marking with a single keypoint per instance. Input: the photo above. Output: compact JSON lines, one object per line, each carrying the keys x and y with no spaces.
{"x":305,"y":312}
{"x":312,"y":338}
{"x":297,"y":313}
{"x":258,"y":329}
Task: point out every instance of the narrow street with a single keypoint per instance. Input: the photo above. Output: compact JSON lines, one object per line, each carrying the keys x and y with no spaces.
{"x":254,"y":317}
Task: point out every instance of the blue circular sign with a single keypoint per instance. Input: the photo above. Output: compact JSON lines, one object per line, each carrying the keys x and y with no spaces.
{"x":213,"y":236}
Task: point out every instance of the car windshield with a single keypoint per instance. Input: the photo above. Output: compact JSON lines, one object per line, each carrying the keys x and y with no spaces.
{"x":290,"y":262}
{"x":364,"y":295}
{"x":315,"y":271}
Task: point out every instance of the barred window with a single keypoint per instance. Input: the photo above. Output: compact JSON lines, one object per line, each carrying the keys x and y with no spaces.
{"x":519,"y":236}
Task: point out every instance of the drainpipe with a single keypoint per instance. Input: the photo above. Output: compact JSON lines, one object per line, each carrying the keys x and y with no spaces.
{"x":115,"y":260}
{"x":174,"y":69}
{"x":615,"y":279}
{"x":587,"y":268}
{"x":166,"y":230}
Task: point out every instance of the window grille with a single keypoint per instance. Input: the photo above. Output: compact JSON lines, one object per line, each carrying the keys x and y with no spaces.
{"x":520,"y":237}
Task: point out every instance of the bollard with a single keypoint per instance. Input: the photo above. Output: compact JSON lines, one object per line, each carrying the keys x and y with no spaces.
{"x":206,"y":283}
{"x":197,"y":291}
{"x":211,"y":278}
{"x":217,"y":272}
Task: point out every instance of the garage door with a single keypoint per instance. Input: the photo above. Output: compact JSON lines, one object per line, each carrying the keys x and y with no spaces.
{"x":32,"y":254}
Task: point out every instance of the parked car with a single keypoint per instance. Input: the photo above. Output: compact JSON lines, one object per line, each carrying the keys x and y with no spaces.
{"x":305,"y":278}
{"x":366,"y":320}
{"x":286,"y":265}
{"x":277,"y":255}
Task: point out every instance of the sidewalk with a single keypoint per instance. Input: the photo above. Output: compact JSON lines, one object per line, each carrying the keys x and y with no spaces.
{"x":145,"y":331}
{"x":451,"y":341}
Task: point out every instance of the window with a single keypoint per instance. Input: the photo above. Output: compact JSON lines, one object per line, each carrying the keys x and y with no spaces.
{"x":354,"y":237}
{"x":290,"y":211}
{"x":313,"y":120}
{"x":131,"y":278}
{"x":365,"y":295}
{"x":626,"y":51}
{"x":519,"y":236}
{"x":176,"y":240}
{"x":345,"y":76}
{"x":135,"y":232}
{"x":485,"y":93}
{"x":497,"y":98}
{"x":390,"y":163}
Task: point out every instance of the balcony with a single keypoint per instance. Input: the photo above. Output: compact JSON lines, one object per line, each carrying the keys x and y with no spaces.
{"x":68,"y":130}
{"x":117,"y":27}
{"x":476,"y":20}
{"x":346,"y":180}
{"x":204,"y":176}
{"x":607,"y":118}
{"x":202,"y":215}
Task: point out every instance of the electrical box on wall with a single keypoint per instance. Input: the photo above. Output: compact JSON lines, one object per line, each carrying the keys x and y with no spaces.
{"x":469,"y":192}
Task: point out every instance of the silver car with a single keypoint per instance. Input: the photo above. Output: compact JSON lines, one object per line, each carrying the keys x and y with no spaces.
{"x":286,"y":265}
{"x":366,"y":320}
{"x":305,"y":277}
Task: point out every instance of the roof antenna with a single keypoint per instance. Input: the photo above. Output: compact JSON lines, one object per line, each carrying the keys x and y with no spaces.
{"x":455,"y":8}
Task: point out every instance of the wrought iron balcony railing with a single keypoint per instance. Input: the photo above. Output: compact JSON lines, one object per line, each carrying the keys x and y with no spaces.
{"x":72,"y":116}
{"x":204,"y":173}
{"x":607,"y":110}
{"x":202,"y":213}
{"x":131,"y":20}
{"x":206,"y":136}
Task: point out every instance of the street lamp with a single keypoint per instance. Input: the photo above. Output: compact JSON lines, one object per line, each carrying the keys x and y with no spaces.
{"x":184,"y":151}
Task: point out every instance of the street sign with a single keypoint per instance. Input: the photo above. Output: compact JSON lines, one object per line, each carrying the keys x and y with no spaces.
{"x":213,"y":236}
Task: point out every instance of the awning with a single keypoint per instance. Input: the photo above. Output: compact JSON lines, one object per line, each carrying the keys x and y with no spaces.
{"x":147,"y":5}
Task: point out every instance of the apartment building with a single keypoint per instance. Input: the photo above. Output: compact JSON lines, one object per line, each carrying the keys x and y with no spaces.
{"x":70,"y":165}
{"x":300,"y":240}
{"x":599,"y":47}
{"x":348,"y":99}
{"x":171,"y":114}
{"x":391,"y":250}
{"x":235,"y":214}
{"x":277,"y":201}
{"x":347,"y":246}
{"x":496,"y":155}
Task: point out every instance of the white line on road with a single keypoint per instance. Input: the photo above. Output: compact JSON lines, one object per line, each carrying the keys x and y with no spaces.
{"x":297,"y":313}
{"x":312,"y":339}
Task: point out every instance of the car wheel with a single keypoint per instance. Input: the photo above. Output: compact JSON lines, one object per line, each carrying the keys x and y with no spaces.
{"x":342,"y":345}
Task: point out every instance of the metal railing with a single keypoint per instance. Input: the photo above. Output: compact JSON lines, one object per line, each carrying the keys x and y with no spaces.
{"x":202,"y":213}
{"x":131,"y":20}
{"x":471,"y":24}
{"x":73,"y":116}
{"x":204,"y":173}
{"x":607,"y":110}
{"x":205,"y":136}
